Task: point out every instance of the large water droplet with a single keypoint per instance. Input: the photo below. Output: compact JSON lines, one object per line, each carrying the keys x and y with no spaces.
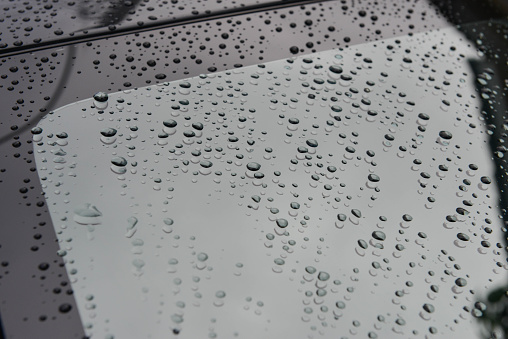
{"x":282,"y":223}
{"x":253,"y":166}
{"x":118,"y":165}
{"x":100,"y":100}
{"x":87,"y":214}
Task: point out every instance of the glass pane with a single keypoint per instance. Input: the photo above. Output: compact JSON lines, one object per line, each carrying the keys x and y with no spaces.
{"x":346,"y":191}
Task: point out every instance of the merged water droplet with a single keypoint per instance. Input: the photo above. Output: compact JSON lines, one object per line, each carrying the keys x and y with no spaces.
{"x":118,"y":165}
{"x":87,"y":214}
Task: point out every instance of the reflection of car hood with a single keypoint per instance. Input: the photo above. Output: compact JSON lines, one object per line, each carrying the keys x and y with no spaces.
{"x":280,"y":199}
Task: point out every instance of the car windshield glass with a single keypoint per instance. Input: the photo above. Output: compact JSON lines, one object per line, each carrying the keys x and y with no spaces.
{"x":289,"y":194}
{"x":253,"y":168}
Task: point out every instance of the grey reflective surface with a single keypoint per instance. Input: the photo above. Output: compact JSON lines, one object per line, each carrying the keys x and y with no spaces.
{"x":34,"y":83}
{"x":375,"y":174}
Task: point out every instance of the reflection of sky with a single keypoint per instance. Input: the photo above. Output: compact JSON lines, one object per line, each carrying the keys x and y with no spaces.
{"x":216,"y":215}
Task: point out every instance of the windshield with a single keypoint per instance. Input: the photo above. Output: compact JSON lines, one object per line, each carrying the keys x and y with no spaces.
{"x":356,"y":189}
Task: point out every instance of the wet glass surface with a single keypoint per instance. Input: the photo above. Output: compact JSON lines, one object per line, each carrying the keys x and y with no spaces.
{"x":39,"y":22}
{"x":317,"y":185}
{"x":38,"y":81}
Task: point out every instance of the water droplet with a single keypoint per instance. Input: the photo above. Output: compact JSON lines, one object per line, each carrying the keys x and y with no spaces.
{"x":407,"y":217}
{"x":461,"y":282}
{"x":279,"y":261}
{"x":356,"y":213}
{"x":205,"y":163}
{"x":485,"y":180}
{"x":312,"y":143}
{"x":100,"y":100}
{"x":335,"y":69}
{"x":310,"y":269}
{"x":363,"y":244}
{"x":253,"y":166}
{"x":170,"y":123}
{"x":131,"y":224}
{"x":282,"y":223}
{"x":323,"y":276}
{"x":119,"y":161}
{"x":378,"y":235}
{"x":36,"y":130}
{"x":202,"y":257}
{"x":65,"y":308}
{"x":340,"y":304}
{"x":373,"y":178}
{"x":87,"y":214}
{"x":118,"y":165}
{"x":177,"y":318}
{"x":109,"y":132}
{"x":445,"y":135}
{"x":428,"y":308}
